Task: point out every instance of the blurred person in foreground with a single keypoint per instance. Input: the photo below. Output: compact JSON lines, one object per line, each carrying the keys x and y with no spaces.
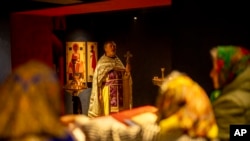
{"x":31,"y":105}
{"x":231,"y":79}
{"x":183,"y":113}
{"x":184,"y":110}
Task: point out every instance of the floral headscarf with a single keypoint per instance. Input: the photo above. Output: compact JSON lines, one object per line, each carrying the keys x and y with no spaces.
{"x":30,"y":103}
{"x":231,"y":61}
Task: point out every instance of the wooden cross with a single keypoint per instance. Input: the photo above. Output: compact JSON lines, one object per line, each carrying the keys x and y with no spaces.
{"x":128,"y":55}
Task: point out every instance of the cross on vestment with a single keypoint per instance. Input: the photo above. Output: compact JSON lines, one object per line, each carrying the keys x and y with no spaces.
{"x":128,"y":55}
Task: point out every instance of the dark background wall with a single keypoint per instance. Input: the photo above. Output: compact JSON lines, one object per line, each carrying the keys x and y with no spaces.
{"x":5,"y":53}
{"x":199,"y":26}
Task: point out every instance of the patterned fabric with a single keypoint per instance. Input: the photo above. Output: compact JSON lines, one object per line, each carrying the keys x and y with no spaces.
{"x":104,"y":66}
{"x":114,"y":90}
{"x":107,"y":128}
{"x":30,"y":103}
{"x":184,"y":105}
{"x":231,"y":61}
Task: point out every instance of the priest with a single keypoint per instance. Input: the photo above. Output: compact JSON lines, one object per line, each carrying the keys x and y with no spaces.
{"x":112,"y":84}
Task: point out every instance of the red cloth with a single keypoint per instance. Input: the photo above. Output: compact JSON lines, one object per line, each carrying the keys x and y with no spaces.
{"x":128,"y":114}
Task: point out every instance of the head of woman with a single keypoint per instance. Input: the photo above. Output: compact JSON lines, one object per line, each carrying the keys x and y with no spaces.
{"x":182,"y":103}
{"x":30,"y":102}
{"x":228,"y":63}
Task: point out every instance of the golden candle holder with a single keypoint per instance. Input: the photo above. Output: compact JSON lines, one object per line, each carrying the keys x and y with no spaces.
{"x":158,"y":81}
{"x":75,"y":86}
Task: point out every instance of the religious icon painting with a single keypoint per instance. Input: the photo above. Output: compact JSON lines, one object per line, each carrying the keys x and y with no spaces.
{"x":92,"y":53}
{"x":76,"y":61}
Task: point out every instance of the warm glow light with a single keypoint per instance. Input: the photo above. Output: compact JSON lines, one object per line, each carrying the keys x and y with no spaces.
{"x":135,"y":18}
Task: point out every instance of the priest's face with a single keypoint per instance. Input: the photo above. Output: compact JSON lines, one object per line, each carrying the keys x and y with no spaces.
{"x":110,"y":49}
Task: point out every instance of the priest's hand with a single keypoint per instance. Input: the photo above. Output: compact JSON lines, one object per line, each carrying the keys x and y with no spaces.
{"x":128,"y":68}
